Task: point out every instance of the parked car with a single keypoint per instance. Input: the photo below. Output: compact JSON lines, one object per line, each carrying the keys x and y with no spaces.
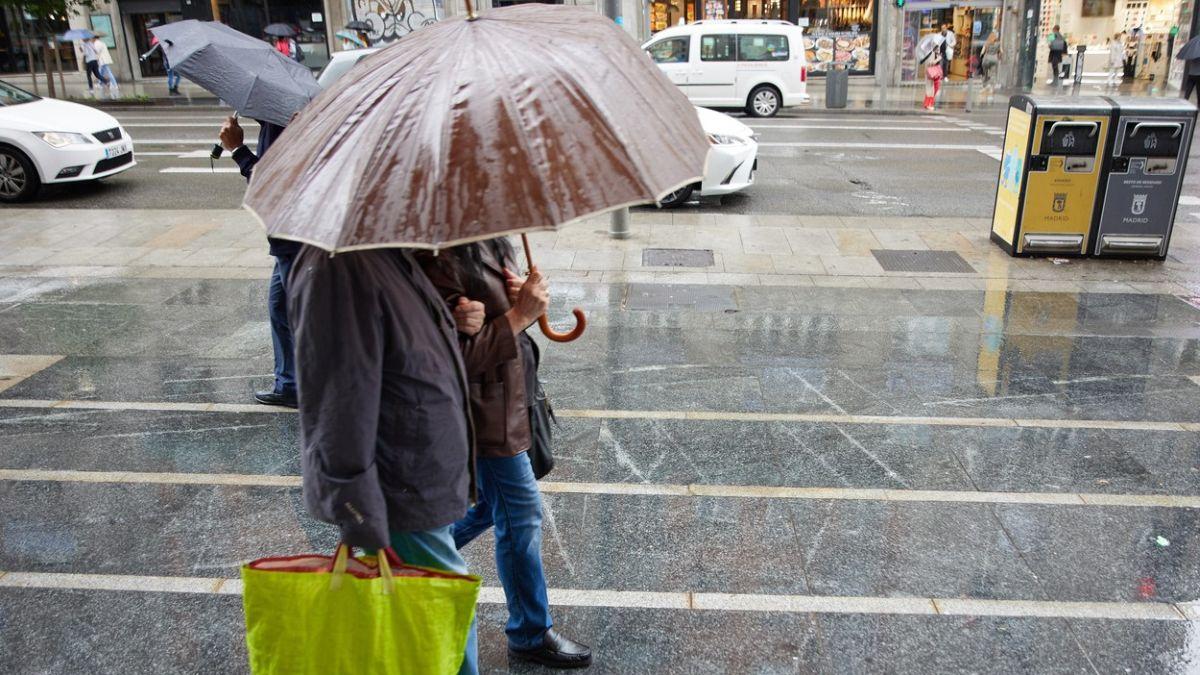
{"x":755,"y":65}
{"x":46,"y":141}
{"x":732,"y":159}
{"x":341,"y":62}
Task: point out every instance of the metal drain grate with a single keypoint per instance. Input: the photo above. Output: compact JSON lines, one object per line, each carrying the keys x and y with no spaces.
{"x":677,"y":257}
{"x":922,"y":261}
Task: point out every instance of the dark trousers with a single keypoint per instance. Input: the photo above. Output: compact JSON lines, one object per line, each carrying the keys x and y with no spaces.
{"x":281,"y":330}
{"x":93,"y":69}
{"x":1192,"y":84}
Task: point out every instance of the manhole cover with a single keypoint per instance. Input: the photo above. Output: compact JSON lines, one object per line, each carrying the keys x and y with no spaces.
{"x":677,"y":257}
{"x":922,"y":261}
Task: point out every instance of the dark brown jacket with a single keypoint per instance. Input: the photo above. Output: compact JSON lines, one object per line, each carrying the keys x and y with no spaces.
{"x":386,"y":444}
{"x":496,"y":360}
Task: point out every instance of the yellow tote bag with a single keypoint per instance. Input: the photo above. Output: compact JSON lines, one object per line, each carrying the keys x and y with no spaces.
{"x":323,"y":615}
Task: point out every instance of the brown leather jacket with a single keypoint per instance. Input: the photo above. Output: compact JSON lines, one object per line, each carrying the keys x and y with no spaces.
{"x":497,"y":362}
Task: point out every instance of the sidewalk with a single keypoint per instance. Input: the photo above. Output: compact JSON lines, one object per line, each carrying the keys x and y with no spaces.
{"x":736,"y":250}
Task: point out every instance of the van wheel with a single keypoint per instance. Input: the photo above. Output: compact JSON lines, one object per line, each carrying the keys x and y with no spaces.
{"x":763,"y":102}
{"x":676,"y":198}
{"x":18,"y":177}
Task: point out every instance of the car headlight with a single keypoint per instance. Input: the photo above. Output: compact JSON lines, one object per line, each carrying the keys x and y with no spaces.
{"x":61,"y":139}
{"x":723,"y":139}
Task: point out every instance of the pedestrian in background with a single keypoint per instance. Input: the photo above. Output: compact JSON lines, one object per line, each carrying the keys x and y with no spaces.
{"x":1058,"y":50}
{"x":949,"y":41}
{"x":501,"y":362}
{"x":105,"y":60}
{"x":1116,"y":60}
{"x":1190,"y":55}
{"x":989,"y":57}
{"x":931,"y":50}
{"x":283,"y":392}
{"x":155,"y":46}
{"x":384,"y":433}
{"x":91,"y":65}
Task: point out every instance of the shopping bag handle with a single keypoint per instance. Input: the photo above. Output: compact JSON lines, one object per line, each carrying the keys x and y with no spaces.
{"x":386,"y":556}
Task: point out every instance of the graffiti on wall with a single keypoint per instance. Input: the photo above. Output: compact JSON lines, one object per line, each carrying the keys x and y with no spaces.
{"x":392,"y":19}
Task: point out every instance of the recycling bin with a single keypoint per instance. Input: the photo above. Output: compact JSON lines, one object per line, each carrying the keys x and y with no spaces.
{"x":837,"y":84}
{"x":1151,"y":140}
{"x":1050,"y":170}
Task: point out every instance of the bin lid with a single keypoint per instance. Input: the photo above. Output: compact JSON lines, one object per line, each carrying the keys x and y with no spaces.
{"x":1062,"y":104}
{"x":1143,"y":105}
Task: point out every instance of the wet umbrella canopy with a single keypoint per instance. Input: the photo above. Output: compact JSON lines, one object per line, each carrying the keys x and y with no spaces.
{"x":245,"y":72}
{"x":1190,"y":50}
{"x":76,"y":34}
{"x":359,"y":25}
{"x":523,"y":119}
{"x":279,"y":30}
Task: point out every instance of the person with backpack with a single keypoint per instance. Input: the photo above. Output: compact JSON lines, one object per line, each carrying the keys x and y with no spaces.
{"x":1058,"y":50}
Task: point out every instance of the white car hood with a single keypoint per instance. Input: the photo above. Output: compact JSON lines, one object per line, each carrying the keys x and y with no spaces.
{"x":720,"y":123}
{"x":53,"y":115}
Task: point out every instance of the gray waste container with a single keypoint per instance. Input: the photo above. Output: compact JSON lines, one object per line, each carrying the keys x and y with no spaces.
{"x":837,"y":85}
{"x":1145,"y":174}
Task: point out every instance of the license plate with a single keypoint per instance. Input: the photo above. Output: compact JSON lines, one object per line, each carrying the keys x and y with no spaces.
{"x":115,"y":150}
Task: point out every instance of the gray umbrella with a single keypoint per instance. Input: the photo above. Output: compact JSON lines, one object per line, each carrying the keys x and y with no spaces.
{"x":1190,"y":50}
{"x":279,"y":30}
{"x":245,"y":72}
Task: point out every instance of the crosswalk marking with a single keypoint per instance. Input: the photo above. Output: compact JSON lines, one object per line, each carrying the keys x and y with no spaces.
{"x":854,"y":127}
{"x":654,"y":489}
{"x":717,"y":415}
{"x":199,"y":169}
{"x":679,"y":601}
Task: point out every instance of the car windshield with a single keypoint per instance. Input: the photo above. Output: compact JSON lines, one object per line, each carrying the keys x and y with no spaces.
{"x":10,"y":95}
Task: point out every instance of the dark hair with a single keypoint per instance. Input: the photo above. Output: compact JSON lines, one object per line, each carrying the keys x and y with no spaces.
{"x":466,"y":261}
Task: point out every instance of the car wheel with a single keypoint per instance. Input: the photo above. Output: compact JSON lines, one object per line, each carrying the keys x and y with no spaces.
{"x":763,"y":102}
{"x":676,"y":198}
{"x":18,"y":178}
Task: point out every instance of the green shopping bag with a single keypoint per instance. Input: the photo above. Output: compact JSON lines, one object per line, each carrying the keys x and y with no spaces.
{"x":330,"y":615}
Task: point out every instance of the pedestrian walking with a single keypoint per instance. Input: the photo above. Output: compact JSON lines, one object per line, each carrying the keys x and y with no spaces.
{"x":91,"y":66}
{"x":289,"y":48}
{"x":931,"y":50}
{"x":283,"y":393}
{"x":946,"y":50}
{"x":502,"y":362}
{"x":104,"y":59}
{"x":384,"y":431}
{"x":1189,"y":53}
{"x":1058,"y":50}
{"x":1116,"y":60}
{"x":989,"y":58}
{"x":156,"y":46}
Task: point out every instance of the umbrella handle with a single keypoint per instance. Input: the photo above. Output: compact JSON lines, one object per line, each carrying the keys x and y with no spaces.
{"x":543,"y":322}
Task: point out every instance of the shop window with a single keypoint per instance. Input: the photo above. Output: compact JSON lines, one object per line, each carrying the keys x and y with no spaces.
{"x":763,"y":48}
{"x":717,"y":48}
{"x":674,"y":50}
{"x":840,"y":31}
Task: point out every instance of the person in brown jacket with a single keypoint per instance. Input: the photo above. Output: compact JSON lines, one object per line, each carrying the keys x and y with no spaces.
{"x":502,"y":375}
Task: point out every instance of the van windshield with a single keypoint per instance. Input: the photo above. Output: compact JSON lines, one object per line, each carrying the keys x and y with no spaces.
{"x":672,"y":50}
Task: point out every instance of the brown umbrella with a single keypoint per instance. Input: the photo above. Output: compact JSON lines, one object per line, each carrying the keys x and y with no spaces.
{"x":520,"y":119}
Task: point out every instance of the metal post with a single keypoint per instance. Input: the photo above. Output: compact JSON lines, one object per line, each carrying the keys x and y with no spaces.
{"x":970,"y":92}
{"x":32,"y":66}
{"x":58,"y":66}
{"x":618,"y":227}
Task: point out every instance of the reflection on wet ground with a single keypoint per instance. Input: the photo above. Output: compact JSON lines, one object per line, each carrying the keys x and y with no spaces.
{"x":968,"y":392}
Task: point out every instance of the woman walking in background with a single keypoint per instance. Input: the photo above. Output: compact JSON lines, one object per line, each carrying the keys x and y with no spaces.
{"x":104,"y":59}
{"x":1116,"y":60}
{"x":932,"y":50}
{"x":501,"y":362}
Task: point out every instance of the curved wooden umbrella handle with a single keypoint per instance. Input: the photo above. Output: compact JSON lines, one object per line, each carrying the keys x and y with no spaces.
{"x":573,"y":334}
{"x":543,"y":322}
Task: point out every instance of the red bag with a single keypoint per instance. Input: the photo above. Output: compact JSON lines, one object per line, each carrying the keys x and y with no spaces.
{"x":934,"y":72}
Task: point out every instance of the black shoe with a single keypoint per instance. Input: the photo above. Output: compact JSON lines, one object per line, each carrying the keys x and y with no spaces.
{"x":274,"y":398}
{"x":556,"y":651}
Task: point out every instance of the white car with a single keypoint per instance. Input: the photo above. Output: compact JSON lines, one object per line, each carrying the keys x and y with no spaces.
{"x":341,"y":62}
{"x":732,"y":159}
{"x":756,"y":65}
{"x":49,"y":141}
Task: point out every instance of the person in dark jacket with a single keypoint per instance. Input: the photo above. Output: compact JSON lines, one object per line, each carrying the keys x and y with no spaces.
{"x":502,"y":371}
{"x":384,"y":431}
{"x":284,"y":392}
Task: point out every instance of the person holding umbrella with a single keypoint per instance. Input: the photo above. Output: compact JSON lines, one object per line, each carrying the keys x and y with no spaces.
{"x":501,"y":363}
{"x":931,"y":48}
{"x":1189,"y":53}
{"x":385,"y":442}
{"x":155,"y":45}
{"x":91,"y":64}
{"x":285,"y":43}
{"x":104,"y":59}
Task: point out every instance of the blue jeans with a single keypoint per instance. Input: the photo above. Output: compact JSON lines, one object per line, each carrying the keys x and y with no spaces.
{"x":172,"y":78}
{"x":281,"y":331}
{"x":510,"y":501}
{"x":435,"y":548}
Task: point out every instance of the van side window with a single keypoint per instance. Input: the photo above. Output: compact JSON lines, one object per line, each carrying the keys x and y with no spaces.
{"x":763,"y":48}
{"x":673,"y":50}
{"x":718,"y":48}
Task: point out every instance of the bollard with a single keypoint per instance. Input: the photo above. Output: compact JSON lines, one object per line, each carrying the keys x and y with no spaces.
{"x":970,"y":93}
{"x":618,"y":227}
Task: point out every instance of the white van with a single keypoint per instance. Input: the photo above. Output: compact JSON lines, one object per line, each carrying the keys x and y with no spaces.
{"x":754,"y":64}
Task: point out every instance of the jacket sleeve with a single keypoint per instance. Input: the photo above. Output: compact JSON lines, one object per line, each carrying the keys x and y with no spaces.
{"x":494,"y":343}
{"x":245,"y":160}
{"x":339,"y":369}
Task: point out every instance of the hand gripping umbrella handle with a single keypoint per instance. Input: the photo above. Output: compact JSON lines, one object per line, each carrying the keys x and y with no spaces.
{"x":543,"y":322}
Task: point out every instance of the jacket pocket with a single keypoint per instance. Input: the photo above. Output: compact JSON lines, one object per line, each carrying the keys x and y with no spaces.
{"x":489,"y":408}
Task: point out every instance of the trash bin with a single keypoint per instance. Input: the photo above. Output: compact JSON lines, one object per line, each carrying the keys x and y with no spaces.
{"x":1050,"y":169}
{"x":1145,"y":175}
{"x":837,"y":84}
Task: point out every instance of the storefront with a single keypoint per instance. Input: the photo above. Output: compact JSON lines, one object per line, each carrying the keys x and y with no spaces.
{"x":971,"y":25}
{"x":1149,"y":31}
{"x":837,"y":30}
